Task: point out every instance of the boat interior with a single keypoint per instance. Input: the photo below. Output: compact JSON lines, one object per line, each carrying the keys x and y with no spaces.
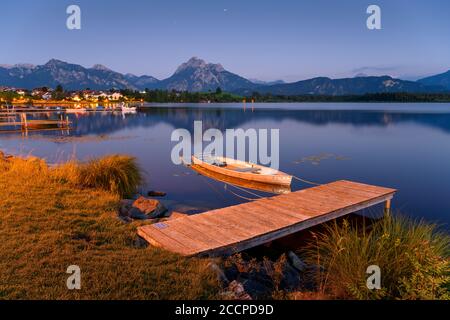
{"x":236,"y":165}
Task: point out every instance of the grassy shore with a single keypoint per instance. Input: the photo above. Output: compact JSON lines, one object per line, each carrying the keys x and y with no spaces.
{"x":48,"y":223}
{"x":52,"y":217}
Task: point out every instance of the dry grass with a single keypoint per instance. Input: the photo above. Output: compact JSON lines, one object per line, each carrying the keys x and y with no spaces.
{"x":47,"y":225}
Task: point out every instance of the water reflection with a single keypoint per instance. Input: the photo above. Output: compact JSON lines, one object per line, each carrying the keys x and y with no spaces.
{"x":406,"y":147}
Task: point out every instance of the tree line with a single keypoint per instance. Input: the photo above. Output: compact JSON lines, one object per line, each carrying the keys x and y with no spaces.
{"x":173,"y":96}
{"x":219,"y":96}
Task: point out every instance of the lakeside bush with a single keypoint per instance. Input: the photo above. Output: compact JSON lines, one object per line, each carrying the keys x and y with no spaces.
{"x":118,"y":174}
{"x":413,"y":257}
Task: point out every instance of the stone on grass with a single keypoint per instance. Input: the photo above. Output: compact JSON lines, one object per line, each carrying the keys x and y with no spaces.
{"x":296,"y":262}
{"x":135,"y":213}
{"x":142,"y":208}
{"x":237,"y":290}
{"x":219,"y":272}
{"x":150,"y":207}
{"x":125,"y":206}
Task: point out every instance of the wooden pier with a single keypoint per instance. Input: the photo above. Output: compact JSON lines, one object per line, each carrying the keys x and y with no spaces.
{"x":25,"y":124}
{"x":236,"y":228}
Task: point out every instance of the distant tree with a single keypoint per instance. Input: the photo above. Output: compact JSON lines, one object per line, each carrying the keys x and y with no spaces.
{"x":58,"y":94}
{"x":218,"y":90}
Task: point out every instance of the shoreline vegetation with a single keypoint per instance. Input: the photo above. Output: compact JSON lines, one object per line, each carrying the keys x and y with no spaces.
{"x":56,"y":216}
{"x":65,"y":98}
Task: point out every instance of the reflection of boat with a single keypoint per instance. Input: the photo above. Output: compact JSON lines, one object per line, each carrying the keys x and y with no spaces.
{"x":126,"y":109}
{"x":254,"y":185}
{"x":76,"y":110}
{"x":242,"y":170}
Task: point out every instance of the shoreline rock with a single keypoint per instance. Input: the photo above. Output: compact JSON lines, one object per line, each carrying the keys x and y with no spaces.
{"x":153,"y":193}
{"x":141,"y":209}
{"x":296,"y":262}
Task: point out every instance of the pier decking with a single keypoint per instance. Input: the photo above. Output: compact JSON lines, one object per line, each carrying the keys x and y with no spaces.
{"x":236,"y":228}
{"x":25,"y":124}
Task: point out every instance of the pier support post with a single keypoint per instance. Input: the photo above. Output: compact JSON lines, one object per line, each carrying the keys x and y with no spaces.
{"x":387,"y":208}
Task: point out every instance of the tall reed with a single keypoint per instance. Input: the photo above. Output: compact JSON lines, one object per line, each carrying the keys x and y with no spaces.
{"x":116,"y":173}
{"x":413,"y":257}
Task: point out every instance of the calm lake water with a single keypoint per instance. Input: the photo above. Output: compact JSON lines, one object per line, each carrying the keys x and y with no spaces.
{"x":404,"y":146}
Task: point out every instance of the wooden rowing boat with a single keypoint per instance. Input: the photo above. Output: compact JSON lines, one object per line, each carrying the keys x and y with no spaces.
{"x":253,"y":185}
{"x":242,"y":170}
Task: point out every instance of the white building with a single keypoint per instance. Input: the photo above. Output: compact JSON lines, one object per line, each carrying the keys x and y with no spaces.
{"x":115,"y":96}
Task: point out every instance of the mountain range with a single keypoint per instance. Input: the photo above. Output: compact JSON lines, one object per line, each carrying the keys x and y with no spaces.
{"x":196,"y":75}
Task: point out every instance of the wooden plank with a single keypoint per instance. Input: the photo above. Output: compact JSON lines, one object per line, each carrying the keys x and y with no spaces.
{"x":356,"y":186}
{"x":219,"y":223}
{"x":264,"y":209}
{"x":191,"y":245}
{"x":159,"y":239}
{"x":250,"y":220}
{"x":229,"y":233}
{"x":283,"y":208}
{"x":197,"y":234}
{"x":239,"y":227}
{"x":301,"y":211}
{"x":256,"y":241}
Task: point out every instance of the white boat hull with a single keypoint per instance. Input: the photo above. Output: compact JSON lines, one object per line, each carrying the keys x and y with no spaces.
{"x":266,"y":175}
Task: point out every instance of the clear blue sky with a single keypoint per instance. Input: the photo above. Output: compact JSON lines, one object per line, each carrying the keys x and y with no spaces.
{"x":265,"y":39}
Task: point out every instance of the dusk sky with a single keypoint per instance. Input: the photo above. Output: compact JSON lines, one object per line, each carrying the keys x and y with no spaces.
{"x":267,"y":40}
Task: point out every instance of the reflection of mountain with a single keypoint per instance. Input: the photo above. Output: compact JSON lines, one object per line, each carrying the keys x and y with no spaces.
{"x":235,"y":118}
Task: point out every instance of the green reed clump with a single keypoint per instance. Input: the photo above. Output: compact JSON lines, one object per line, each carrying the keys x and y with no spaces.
{"x":116,"y":173}
{"x":413,"y":257}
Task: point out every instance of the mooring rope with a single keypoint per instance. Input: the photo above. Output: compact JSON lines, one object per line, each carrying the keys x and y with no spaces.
{"x":307,"y":181}
{"x":242,"y":197}
{"x":212,"y":187}
{"x":245,"y":190}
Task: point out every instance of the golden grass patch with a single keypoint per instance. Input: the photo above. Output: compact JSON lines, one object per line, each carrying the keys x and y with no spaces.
{"x":48,"y":224}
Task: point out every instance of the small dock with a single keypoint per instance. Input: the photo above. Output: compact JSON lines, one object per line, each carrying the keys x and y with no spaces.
{"x":240,"y":227}
{"x":25,"y":124}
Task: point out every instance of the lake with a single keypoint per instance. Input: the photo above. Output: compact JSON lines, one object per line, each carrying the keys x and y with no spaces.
{"x":404,"y":146}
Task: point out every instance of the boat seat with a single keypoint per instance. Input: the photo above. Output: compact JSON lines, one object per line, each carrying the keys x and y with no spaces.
{"x":219,"y":164}
{"x":251,"y":170}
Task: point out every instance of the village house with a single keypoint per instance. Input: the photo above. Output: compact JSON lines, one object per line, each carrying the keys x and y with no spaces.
{"x":75,"y":96}
{"x":47,"y":96}
{"x":39,"y":92}
{"x":115,"y":96}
